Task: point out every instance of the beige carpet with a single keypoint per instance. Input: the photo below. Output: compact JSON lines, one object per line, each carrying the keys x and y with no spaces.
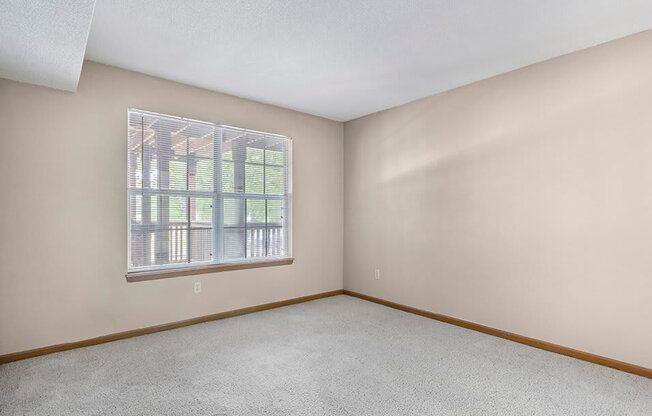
{"x":334,"y":356}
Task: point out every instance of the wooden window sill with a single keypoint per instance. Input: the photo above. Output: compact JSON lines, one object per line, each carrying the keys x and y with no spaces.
{"x":212,"y":268}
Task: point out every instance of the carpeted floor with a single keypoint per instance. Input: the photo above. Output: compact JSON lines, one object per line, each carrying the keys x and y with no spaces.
{"x":334,"y":356}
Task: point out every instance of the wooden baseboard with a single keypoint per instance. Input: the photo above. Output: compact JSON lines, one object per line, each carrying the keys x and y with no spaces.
{"x":164,"y":327}
{"x":580,"y":355}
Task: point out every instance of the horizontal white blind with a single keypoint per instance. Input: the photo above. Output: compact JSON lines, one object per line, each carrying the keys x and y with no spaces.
{"x":204,"y":193}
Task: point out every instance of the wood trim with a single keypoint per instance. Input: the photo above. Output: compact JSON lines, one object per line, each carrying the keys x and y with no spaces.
{"x":212,"y":268}
{"x":532,"y":342}
{"x":7,"y":358}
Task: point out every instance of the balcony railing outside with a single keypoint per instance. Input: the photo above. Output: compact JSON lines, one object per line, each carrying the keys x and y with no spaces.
{"x":177,"y":244}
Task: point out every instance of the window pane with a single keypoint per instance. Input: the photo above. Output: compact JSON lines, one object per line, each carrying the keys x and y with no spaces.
{"x":200,"y":160}
{"x":273,"y":157}
{"x":172,"y":245}
{"x":178,"y":144}
{"x":228,"y":176}
{"x":150,"y":176}
{"x":255,"y":212}
{"x":136,"y":209}
{"x":254,"y":182}
{"x":201,"y":212}
{"x":135,"y":131}
{"x":200,"y":244}
{"x":256,"y":246}
{"x":201,"y":220}
{"x":135,"y":151}
{"x":274,"y":180}
{"x":201,"y":179}
{"x":201,"y":140}
{"x":162,"y":246}
{"x":135,"y":161}
{"x":274,"y":212}
{"x":177,"y":174}
{"x":234,"y":243}
{"x":153,"y":208}
{"x":143,"y":209}
{"x":138,"y":245}
{"x":255,"y":155}
{"x":275,"y":241}
{"x":234,"y":212}
{"x":177,"y":207}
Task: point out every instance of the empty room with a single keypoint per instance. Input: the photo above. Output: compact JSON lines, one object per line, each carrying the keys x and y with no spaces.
{"x":326,"y":207}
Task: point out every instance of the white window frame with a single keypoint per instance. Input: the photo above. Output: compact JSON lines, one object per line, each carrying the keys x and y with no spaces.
{"x":217,"y":196}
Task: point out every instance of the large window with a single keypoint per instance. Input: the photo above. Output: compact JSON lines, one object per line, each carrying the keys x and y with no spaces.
{"x":201,"y":193}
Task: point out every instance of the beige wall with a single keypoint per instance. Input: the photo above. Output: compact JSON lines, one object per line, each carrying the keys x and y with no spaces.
{"x":522,"y":202}
{"x":63,"y":222}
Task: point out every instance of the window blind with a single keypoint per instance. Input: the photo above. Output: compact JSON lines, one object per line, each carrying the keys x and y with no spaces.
{"x":204,"y":193}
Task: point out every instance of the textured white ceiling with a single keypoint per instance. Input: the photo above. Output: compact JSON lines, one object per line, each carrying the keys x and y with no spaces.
{"x":43,"y":42}
{"x":342,"y":59}
{"x":339,"y":59}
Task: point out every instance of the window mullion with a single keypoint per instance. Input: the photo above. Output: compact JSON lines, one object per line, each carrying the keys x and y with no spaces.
{"x":266,"y":236}
{"x":188,"y":204}
{"x":218,"y":203}
{"x":239,"y":152}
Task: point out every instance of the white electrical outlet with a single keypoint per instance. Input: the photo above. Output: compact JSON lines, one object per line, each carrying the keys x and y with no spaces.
{"x":377,"y":274}
{"x":197,"y":287}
